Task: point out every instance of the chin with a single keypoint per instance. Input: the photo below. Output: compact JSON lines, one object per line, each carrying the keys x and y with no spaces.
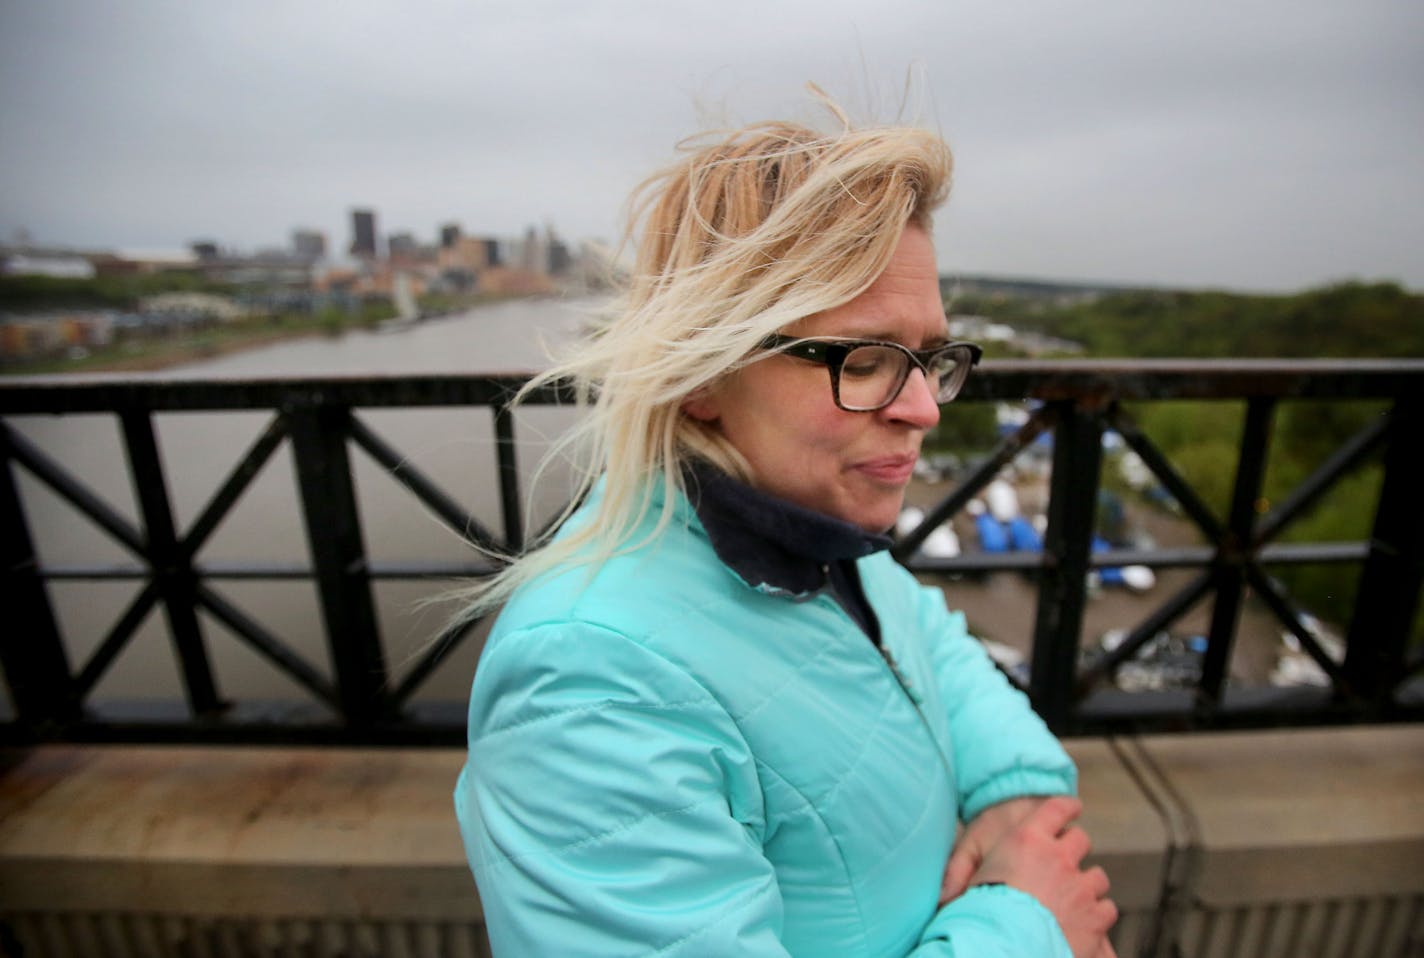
{"x":880,"y":519}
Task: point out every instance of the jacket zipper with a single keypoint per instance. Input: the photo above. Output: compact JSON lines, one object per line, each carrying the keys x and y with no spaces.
{"x":918,"y":702}
{"x":915,"y":699}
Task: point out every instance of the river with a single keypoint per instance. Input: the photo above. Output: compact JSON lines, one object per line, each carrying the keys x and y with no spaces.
{"x":452,"y":446}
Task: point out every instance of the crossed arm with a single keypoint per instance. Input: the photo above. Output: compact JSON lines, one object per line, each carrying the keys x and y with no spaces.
{"x":1031,"y":844}
{"x":1003,"y":752}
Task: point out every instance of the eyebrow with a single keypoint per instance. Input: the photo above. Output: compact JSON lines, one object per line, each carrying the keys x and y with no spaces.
{"x":934,"y":342}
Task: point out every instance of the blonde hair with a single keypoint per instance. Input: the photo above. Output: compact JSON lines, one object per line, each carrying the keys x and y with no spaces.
{"x":751,"y":231}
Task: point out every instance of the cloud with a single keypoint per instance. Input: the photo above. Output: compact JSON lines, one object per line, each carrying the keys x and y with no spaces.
{"x":1258,"y":144}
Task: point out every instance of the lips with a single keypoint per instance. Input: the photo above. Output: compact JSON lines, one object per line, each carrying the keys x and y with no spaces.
{"x":891,"y":470}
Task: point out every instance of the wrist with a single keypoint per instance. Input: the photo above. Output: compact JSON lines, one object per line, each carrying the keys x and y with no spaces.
{"x":1014,"y":919}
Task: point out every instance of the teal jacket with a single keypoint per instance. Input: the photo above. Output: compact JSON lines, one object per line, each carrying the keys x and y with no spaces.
{"x":665,"y":761}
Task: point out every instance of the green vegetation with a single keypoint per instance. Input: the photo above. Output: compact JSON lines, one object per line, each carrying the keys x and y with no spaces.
{"x":1348,"y":320}
{"x":964,"y":427}
{"x":1201,"y":439}
{"x":153,"y":349}
{"x":35,"y":293}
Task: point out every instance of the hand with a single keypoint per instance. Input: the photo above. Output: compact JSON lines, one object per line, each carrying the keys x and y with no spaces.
{"x":980,"y":835}
{"x":1042,"y":856}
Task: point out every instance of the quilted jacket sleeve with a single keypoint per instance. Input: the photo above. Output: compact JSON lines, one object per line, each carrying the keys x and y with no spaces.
{"x":1001,"y":748}
{"x":610,"y":806}
{"x":993,"y":922}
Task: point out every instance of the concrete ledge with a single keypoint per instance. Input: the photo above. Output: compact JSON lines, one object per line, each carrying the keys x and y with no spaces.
{"x":1301,"y":815}
{"x":1218,"y":845}
{"x":1304,"y":842}
{"x":1130,"y":839}
{"x":234,"y":832}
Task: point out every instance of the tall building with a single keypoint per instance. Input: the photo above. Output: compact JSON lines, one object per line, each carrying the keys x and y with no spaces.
{"x":449,"y":235}
{"x":309,"y":244}
{"x":557,"y":258}
{"x":532,"y":256}
{"x":363,"y":232}
{"x":402,"y":244}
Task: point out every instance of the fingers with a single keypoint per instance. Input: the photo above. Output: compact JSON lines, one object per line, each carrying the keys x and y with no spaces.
{"x":1109,"y":911}
{"x":1054,"y":814}
{"x":1098,"y":882}
{"x":1076,"y":844}
{"x":1053,"y":817}
{"x":1043,"y":856}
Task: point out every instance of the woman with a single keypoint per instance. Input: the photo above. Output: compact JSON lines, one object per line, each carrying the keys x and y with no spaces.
{"x":714,"y":717}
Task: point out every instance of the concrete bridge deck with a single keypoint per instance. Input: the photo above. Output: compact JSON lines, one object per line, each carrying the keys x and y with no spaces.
{"x":1284,"y":843}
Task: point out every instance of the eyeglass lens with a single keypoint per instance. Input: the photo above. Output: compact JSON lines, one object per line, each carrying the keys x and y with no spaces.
{"x":871,"y":376}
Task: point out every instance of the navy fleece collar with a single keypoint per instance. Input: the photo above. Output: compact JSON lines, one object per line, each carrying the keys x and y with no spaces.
{"x":771,"y":543}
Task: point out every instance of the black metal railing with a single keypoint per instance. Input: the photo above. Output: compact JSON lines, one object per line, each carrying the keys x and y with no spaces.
{"x":1082,"y":399}
{"x":362,"y":702}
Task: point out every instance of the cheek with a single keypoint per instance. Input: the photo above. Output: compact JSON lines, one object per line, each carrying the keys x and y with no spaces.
{"x":801,"y":453}
{"x":783,"y":420}
{"x":803,"y":418}
{"x":828,"y":432}
{"x":783,"y":428}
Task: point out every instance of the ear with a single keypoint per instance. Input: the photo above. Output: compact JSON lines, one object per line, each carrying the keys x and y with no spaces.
{"x":701,"y":404}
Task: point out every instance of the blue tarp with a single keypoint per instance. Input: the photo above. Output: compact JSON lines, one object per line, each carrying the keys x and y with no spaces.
{"x":1016,"y":535}
{"x":1023,"y":536}
{"x":993,"y":537}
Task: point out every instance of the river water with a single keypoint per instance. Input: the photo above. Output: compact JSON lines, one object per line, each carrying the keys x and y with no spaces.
{"x":452,"y":446}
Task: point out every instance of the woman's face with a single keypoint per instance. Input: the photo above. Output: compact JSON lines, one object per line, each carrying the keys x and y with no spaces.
{"x":779,"y":413}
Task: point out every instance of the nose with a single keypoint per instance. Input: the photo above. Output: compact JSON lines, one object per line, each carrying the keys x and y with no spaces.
{"x":916,"y":405}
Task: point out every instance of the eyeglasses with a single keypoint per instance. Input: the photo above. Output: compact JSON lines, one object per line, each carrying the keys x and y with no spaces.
{"x":867,"y":374}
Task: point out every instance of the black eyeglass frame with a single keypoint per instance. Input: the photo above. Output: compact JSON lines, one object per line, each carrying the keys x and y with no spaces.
{"x":832,"y":354}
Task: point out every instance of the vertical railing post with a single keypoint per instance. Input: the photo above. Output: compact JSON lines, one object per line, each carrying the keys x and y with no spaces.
{"x":1388,"y":596}
{"x":31,"y":651}
{"x":172,"y":566}
{"x":1067,"y":544}
{"x":338,"y":553}
{"x":508,"y":478}
{"x":1234,"y":551}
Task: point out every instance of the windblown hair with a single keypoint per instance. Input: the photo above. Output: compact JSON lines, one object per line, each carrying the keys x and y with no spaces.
{"x":751,"y":231}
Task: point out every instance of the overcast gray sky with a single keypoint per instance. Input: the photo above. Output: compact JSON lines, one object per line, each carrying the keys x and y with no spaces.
{"x":1252,"y":144}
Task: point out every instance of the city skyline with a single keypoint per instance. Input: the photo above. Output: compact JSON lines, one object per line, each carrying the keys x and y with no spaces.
{"x":304,"y":242}
{"x":1270,"y":145}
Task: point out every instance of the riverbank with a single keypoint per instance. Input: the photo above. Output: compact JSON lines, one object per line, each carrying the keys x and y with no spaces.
{"x":151,"y":353}
{"x":153,"y":356}
{"x":136,"y":353}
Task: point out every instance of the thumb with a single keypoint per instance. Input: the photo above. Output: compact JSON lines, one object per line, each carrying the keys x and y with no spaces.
{"x":957,"y":874}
